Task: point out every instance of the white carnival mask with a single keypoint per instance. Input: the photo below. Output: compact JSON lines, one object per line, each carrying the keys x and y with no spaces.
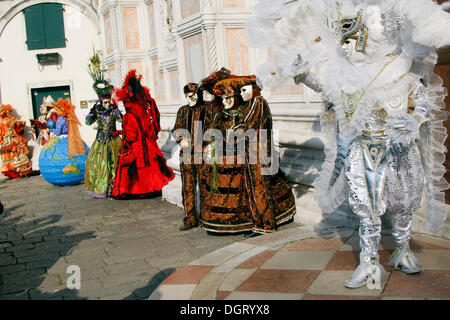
{"x":191,"y":98}
{"x":43,"y":109}
{"x":228,"y":102}
{"x":106,"y":103}
{"x":247,"y":93}
{"x":350,"y":51}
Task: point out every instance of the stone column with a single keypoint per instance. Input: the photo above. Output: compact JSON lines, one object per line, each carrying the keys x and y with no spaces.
{"x":209,"y":27}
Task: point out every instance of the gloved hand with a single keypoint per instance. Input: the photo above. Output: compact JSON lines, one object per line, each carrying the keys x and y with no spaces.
{"x":404,"y":129}
{"x":116,"y":133}
{"x":184,"y":143}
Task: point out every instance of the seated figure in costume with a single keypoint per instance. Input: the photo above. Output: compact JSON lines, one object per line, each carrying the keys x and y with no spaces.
{"x":101,"y":164}
{"x":243,"y":192}
{"x":190,"y":119}
{"x":63,"y":158}
{"x":41,"y":133}
{"x":373,"y":62}
{"x":142,"y":171}
{"x":39,"y":126}
{"x":52,"y":115}
{"x":13,"y":145}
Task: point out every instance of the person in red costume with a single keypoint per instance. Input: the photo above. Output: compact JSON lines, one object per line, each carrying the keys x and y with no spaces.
{"x":142,"y":170}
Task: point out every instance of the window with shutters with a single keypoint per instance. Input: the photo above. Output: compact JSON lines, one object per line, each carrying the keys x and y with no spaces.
{"x":45,"y":26}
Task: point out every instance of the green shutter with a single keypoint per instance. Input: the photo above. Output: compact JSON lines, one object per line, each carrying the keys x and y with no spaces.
{"x":53,"y":25}
{"x":34,"y":27}
{"x":45,"y":26}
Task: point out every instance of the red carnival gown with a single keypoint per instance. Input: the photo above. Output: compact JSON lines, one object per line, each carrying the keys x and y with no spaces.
{"x":142,"y":170}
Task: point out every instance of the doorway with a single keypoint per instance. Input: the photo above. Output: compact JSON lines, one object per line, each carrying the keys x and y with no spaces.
{"x":39,"y":93}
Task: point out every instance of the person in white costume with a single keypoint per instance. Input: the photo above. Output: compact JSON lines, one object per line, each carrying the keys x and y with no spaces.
{"x":373,"y":62}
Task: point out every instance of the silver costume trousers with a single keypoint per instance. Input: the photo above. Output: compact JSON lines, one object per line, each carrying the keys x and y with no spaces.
{"x":383,"y":176}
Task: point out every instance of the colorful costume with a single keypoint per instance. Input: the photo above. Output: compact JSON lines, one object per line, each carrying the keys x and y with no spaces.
{"x":41,"y":133}
{"x":40,"y":130}
{"x":243,"y":193}
{"x":103,"y":157}
{"x":190,"y":117}
{"x":63,"y":157}
{"x":142,"y":170}
{"x":14,"y":148}
{"x":373,"y":62}
{"x":101,"y":164}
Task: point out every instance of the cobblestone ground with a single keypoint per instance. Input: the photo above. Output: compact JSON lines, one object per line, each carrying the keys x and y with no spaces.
{"x":124,"y":249}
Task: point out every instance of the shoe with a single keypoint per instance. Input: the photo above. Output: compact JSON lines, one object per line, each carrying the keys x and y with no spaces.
{"x":404,"y":260}
{"x":187,"y":226}
{"x":368,"y":271}
{"x":252,"y":234}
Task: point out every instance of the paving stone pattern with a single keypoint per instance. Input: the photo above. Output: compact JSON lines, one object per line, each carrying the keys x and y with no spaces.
{"x":307,"y":263}
{"x":124,"y":249}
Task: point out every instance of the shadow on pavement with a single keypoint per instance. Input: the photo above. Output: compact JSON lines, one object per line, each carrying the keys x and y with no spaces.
{"x":145,"y":292}
{"x":340,"y":226}
{"x":28,"y":250}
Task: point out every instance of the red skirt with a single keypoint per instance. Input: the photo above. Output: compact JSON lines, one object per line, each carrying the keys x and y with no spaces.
{"x":132,"y":182}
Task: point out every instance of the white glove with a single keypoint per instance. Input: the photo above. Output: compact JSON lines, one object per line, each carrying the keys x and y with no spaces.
{"x":404,"y":130}
{"x":184,"y":143}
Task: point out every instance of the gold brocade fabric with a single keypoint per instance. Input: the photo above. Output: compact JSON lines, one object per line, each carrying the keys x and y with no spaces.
{"x":244,"y":199}
{"x":14,"y":149}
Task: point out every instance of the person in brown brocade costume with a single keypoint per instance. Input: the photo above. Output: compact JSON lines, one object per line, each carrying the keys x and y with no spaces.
{"x":190,"y":117}
{"x":244,"y":193}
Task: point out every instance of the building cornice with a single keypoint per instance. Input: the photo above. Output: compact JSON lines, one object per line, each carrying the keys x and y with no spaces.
{"x":153,"y":53}
{"x":190,"y":26}
{"x":117,"y":56}
{"x":169,"y":64}
{"x":106,"y":6}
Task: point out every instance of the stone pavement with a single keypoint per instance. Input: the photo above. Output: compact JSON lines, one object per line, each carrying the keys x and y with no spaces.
{"x":124,"y":249}
{"x":305,"y":263}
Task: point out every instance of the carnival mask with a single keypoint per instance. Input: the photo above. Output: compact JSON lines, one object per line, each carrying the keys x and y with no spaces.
{"x":247,"y":93}
{"x":228,"y":101}
{"x":191,"y":98}
{"x":351,"y":53}
{"x":43,"y":109}
{"x":106,"y":103}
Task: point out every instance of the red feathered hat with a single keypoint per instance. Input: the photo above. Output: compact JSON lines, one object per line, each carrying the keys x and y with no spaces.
{"x":137,"y":98}
{"x":132,"y":90}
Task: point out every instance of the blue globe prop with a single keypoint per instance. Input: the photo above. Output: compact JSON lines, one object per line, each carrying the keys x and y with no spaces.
{"x":51,"y":124}
{"x":57,"y":168}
